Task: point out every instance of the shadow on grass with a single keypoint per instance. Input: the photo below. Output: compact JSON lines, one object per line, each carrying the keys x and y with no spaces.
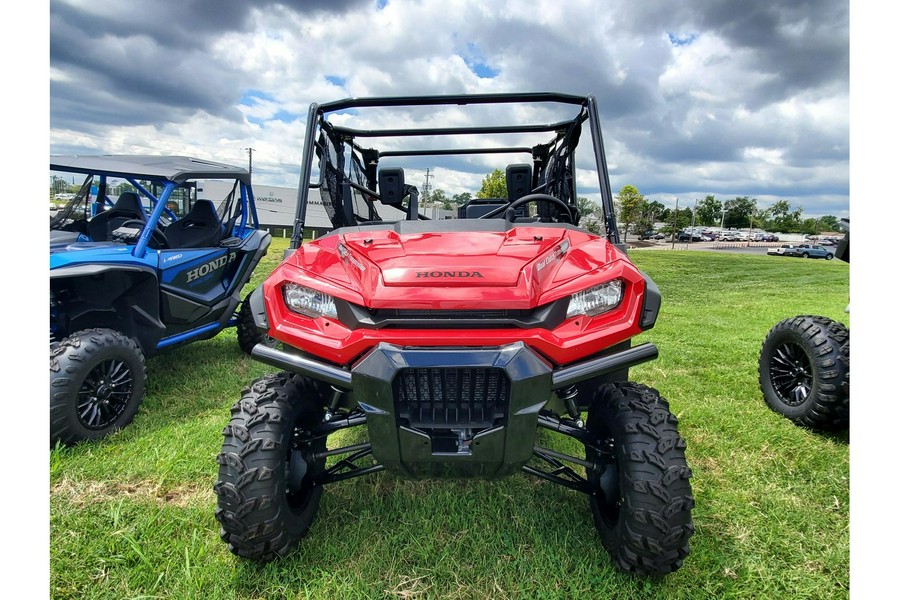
{"x":838,"y":437}
{"x":192,"y":380}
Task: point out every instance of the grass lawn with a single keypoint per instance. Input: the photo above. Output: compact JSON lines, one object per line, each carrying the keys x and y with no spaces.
{"x":132,"y":516}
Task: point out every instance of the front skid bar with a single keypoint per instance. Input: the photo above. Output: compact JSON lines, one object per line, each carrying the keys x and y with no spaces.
{"x":561,"y":473}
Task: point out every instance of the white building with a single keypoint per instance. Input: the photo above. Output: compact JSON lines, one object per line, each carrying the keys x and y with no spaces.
{"x":276,"y":207}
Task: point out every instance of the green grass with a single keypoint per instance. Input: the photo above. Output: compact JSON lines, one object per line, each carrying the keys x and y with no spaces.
{"x":132,"y":516}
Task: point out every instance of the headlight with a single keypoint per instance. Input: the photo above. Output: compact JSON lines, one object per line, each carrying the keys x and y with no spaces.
{"x":309,"y":302}
{"x":596,"y":300}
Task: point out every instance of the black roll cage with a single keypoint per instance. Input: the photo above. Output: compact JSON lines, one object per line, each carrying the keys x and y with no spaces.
{"x":565,"y":132}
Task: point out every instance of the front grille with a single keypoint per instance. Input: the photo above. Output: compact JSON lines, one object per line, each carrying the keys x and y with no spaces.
{"x":441,"y":397}
{"x":412,"y":315}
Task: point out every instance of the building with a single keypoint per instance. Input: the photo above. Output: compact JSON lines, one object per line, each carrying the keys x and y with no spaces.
{"x":276,"y":207}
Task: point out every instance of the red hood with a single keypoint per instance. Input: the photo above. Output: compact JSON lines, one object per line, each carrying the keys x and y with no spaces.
{"x":520,"y":268}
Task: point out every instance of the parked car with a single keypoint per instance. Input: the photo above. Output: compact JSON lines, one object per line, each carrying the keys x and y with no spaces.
{"x":684,"y":236}
{"x":783,"y":250}
{"x":814,"y":251}
{"x":730,"y":236}
{"x":765,"y":237}
{"x":658,"y":236}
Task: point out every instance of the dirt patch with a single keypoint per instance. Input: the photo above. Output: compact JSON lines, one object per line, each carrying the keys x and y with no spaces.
{"x":83,"y":493}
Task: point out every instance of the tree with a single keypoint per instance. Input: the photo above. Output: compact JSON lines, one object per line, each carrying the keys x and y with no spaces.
{"x":761,"y":219}
{"x":589,"y":212}
{"x":585,"y":206}
{"x":462,"y":198}
{"x":493,"y":185}
{"x":738,"y":211}
{"x":829,"y":223}
{"x":58,"y":185}
{"x":810,"y":226}
{"x":630,"y":203}
{"x":779,"y":212}
{"x":123,"y":187}
{"x":677,"y":220}
{"x":665,"y":215}
{"x":709,"y":211}
{"x":784,"y":219}
{"x":438,"y":196}
{"x":685,"y":217}
{"x":651,"y":212}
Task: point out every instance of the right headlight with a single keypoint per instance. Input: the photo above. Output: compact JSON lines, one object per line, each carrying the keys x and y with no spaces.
{"x":309,"y":302}
{"x":596,"y":300}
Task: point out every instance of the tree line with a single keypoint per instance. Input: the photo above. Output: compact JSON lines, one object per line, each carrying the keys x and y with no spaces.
{"x":636,"y":213}
{"x":740,"y":212}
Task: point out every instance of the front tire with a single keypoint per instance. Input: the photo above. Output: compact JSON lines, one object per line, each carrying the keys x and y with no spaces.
{"x":804,"y":372}
{"x":247,"y":333}
{"x":97,"y":381}
{"x":642,"y":501}
{"x":267,"y":491}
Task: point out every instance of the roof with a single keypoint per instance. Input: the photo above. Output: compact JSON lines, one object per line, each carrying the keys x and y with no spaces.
{"x":161,"y":168}
{"x":456,"y":100}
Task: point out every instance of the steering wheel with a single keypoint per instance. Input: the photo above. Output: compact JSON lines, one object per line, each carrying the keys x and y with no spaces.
{"x":528,"y":199}
{"x":156,"y":236}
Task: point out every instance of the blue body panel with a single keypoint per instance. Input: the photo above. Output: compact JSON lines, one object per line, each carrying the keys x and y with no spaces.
{"x":163,"y":297}
{"x":112,"y":253}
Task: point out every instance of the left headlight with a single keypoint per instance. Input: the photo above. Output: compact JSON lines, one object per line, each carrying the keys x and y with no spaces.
{"x":596,"y":300}
{"x":309,"y":302}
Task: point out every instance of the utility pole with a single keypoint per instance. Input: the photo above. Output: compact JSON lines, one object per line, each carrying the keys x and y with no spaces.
{"x":250,"y":166}
{"x":693,"y":221}
{"x":674,"y":223}
{"x":426,"y":189}
{"x":426,"y":192}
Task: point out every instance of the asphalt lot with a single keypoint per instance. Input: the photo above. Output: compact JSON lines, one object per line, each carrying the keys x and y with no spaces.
{"x":733,"y":247}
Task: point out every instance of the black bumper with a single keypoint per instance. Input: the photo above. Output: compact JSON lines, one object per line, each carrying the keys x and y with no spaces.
{"x":453,"y":411}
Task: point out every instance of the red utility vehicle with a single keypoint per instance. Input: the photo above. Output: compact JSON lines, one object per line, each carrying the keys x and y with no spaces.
{"x":452,"y":341}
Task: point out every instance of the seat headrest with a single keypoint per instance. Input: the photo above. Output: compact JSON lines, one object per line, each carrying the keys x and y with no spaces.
{"x":203,"y":210}
{"x":518,"y":180}
{"x":129,"y":202}
{"x":391,"y":186}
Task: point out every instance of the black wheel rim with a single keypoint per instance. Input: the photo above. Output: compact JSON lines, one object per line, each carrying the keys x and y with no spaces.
{"x":105,"y":393}
{"x":605,"y":479}
{"x":791,"y":372}
{"x":301,"y":468}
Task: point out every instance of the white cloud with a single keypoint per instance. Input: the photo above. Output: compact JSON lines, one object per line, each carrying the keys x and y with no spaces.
{"x":739,"y":106}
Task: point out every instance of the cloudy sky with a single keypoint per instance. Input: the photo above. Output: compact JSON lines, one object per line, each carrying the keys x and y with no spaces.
{"x":720,"y":97}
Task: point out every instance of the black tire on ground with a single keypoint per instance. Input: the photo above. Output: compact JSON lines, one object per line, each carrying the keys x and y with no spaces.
{"x":642,"y":505}
{"x":806,"y":255}
{"x":829,"y":256}
{"x":247,"y":333}
{"x":804,"y":372}
{"x":267,"y":496}
{"x":97,"y":381}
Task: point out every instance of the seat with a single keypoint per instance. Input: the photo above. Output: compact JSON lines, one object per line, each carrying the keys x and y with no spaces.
{"x":127,"y":208}
{"x":200,"y":227}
